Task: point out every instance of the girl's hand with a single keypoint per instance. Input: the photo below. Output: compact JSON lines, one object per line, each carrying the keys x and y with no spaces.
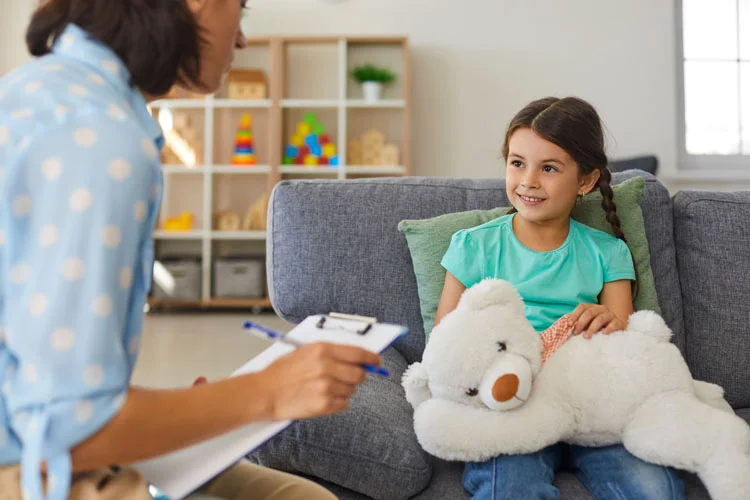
{"x":595,"y":318}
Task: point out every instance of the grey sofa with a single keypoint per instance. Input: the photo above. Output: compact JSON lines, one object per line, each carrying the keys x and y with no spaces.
{"x":334,"y":246}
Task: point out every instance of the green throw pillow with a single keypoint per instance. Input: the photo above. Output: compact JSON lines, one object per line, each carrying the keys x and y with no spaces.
{"x":429,"y":239}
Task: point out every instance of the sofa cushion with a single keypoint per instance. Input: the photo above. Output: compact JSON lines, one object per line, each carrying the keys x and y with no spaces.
{"x":370,"y":449}
{"x":712,"y":237}
{"x":744,"y":413}
{"x":429,"y":239}
{"x":335,"y":246}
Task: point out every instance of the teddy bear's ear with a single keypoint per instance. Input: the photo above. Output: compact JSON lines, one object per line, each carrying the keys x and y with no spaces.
{"x":651,"y":324}
{"x":415,"y":382}
{"x":491,"y":292}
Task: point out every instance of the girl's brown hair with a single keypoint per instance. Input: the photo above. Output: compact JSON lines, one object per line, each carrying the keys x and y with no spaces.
{"x":158,"y":40}
{"x":573,"y":125}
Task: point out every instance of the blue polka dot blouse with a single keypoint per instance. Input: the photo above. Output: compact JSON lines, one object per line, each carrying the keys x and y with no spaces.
{"x":81,"y":186}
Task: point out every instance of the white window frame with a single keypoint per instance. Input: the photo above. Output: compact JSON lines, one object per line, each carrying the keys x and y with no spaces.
{"x":704,"y":165}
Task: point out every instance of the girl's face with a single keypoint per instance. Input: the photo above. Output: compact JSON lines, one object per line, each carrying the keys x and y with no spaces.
{"x":542,"y":181}
{"x":220,"y":21}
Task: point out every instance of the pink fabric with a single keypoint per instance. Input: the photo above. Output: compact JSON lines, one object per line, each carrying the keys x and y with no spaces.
{"x":556,"y":335}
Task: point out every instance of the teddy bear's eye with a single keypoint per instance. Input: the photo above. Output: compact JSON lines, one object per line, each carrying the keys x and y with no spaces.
{"x":472,"y":392}
{"x":501,"y":347}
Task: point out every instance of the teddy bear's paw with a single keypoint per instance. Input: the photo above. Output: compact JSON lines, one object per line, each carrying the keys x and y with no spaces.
{"x":416,"y":384}
{"x":443,"y":430}
{"x":650,"y":324}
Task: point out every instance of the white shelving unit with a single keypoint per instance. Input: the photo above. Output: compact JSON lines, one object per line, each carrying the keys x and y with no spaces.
{"x":203,"y":183}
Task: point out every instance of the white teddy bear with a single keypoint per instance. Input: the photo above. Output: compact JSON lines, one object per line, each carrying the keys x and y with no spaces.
{"x":480,"y":392}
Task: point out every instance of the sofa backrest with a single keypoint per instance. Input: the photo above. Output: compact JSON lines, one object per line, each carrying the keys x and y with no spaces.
{"x":712,"y":235}
{"x":335,"y":246}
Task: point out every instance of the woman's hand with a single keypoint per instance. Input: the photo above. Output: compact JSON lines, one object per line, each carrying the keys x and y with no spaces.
{"x":595,"y":318}
{"x":314,"y":380}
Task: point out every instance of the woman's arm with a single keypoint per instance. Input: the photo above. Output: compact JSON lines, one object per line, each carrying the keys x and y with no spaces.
{"x":312,"y":381}
{"x":452,"y":290}
{"x":610,"y":315}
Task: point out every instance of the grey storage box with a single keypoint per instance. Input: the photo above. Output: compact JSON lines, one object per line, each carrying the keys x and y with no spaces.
{"x":239,"y":278}
{"x":181,"y":281}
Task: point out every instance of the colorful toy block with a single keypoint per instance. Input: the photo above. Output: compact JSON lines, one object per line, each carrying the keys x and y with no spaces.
{"x":310,"y":145}
{"x":244,"y":152}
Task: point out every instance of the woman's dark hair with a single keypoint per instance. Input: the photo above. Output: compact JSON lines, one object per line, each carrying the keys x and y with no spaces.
{"x":573,"y":125}
{"x":159,"y":41}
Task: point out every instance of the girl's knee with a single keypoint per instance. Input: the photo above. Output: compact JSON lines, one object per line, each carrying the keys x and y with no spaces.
{"x":656,"y":482}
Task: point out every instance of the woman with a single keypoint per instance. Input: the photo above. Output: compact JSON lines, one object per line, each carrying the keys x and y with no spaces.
{"x":81,"y":187}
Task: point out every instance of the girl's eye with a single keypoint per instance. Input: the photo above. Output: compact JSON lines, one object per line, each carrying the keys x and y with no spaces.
{"x":549,"y":168}
{"x":472,"y":392}
{"x":516,"y":163}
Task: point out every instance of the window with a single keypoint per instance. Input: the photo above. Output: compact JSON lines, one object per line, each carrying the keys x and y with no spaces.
{"x":715,"y":69}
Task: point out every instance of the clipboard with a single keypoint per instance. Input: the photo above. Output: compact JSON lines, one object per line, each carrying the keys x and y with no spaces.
{"x":179,"y":473}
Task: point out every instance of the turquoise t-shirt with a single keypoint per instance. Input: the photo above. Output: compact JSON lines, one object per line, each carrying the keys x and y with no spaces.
{"x":551,"y":283}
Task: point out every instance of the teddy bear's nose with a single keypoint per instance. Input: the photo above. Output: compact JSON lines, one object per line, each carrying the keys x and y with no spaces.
{"x":505,"y":388}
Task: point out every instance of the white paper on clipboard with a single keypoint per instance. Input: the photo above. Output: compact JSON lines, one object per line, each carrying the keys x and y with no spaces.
{"x":180,"y":473}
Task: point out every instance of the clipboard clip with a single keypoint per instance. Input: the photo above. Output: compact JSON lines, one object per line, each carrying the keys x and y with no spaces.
{"x":359,"y":324}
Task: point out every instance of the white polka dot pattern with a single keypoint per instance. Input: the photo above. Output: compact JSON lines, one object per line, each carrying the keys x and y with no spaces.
{"x":74,"y":241}
{"x":48,"y":236}
{"x":73,"y":269}
{"x":111,"y":236}
{"x":111,"y":66}
{"x":116,"y":113}
{"x":32,"y":87}
{"x":52,"y":168}
{"x":119,"y":169}
{"x":22,"y":113}
{"x":37,"y":305}
{"x":97,"y":79}
{"x":85,"y":137}
{"x":30,"y":374}
{"x":21,"y":206}
{"x":93,"y":376}
{"x":140,"y":211}
{"x":126,"y":278}
{"x":78,"y":90}
{"x":84,"y":411}
{"x":102,"y":306}
{"x":63,"y":339}
{"x":81,"y":200}
{"x":149,"y":148}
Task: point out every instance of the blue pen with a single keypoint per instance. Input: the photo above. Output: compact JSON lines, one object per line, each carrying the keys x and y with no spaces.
{"x":278,"y":337}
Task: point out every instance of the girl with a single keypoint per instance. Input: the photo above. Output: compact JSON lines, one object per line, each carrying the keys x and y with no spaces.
{"x":80,"y":187}
{"x":554,"y":152}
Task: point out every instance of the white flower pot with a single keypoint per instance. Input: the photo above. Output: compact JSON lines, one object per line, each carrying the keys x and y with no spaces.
{"x":372,"y":91}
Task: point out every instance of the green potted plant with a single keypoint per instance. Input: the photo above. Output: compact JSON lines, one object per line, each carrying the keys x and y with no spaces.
{"x":372,"y":79}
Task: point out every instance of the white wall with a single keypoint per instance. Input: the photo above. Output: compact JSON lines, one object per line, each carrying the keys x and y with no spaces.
{"x":477,"y":62}
{"x":14,"y":17}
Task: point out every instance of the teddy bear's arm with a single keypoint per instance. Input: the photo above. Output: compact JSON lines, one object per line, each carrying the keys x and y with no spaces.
{"x":453,"y":431}
{"x":416,"y":384}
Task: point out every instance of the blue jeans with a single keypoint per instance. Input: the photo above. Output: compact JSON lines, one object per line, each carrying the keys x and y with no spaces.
{"x":609,"y":473}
